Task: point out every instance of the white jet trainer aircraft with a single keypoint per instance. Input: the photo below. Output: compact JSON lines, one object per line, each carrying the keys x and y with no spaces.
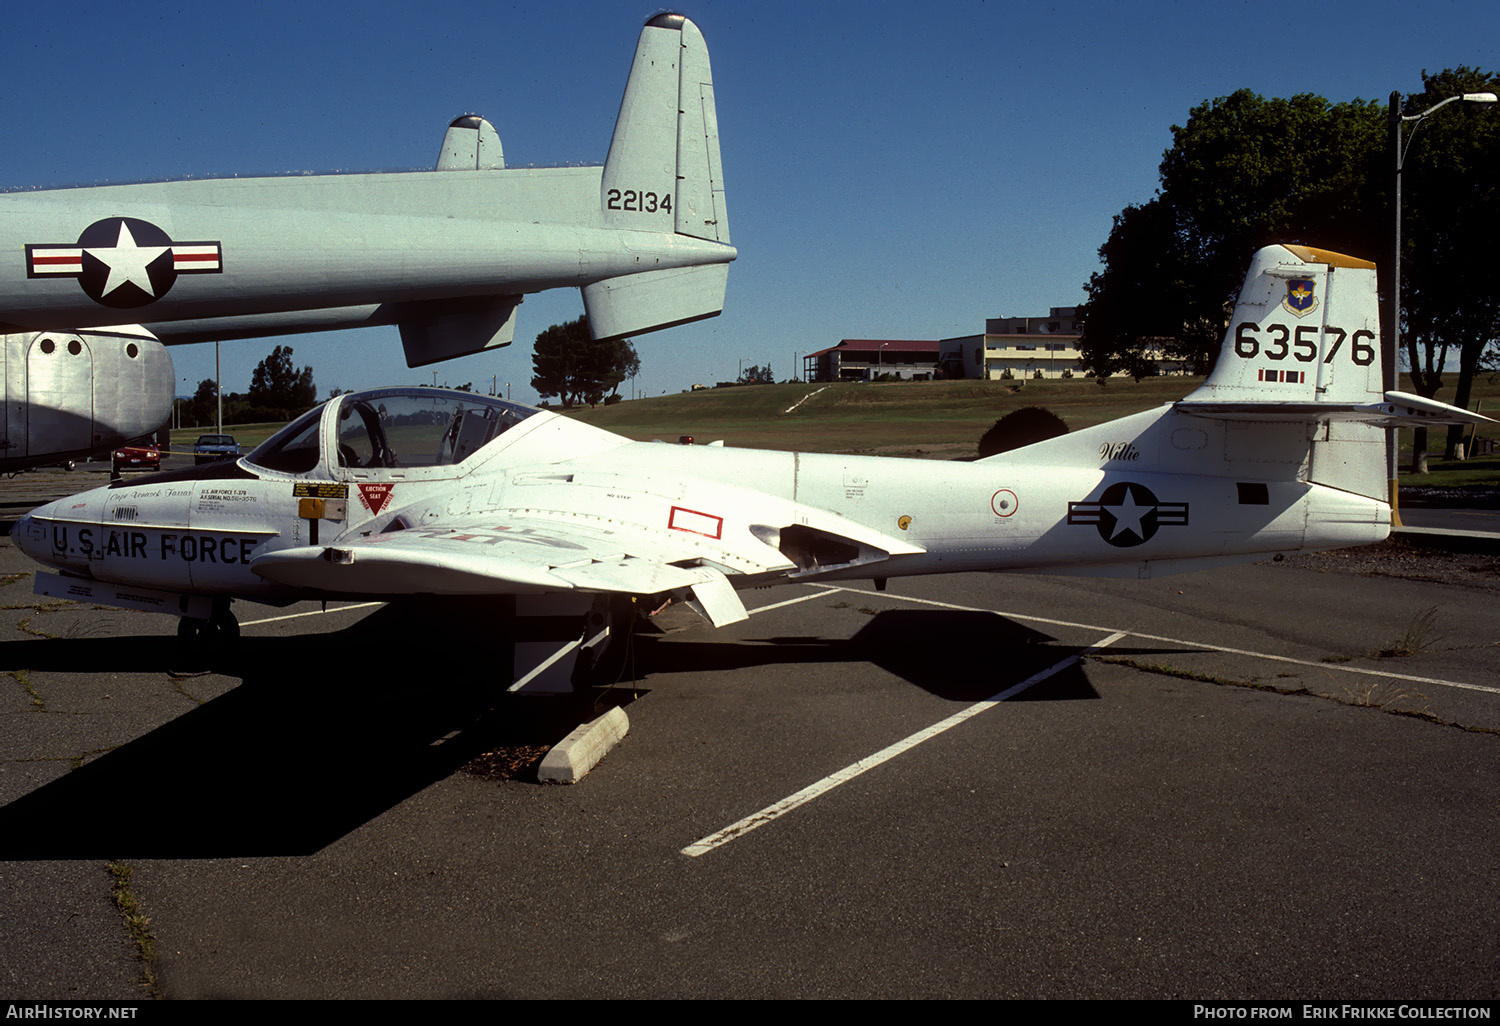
{"x":405,"y":492}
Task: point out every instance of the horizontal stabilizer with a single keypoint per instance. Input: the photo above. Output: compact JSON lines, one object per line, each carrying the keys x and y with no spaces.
{"x":633,"y":304}
{"x":1413,"y":408}
{"x":442,"y":330}
{"x":1400,"y":409}
{"x":470,"y":144}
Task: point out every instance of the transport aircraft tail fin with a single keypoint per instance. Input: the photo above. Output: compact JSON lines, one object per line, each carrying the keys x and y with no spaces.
{"x":471,"y":144}
{"x":664,"y":175}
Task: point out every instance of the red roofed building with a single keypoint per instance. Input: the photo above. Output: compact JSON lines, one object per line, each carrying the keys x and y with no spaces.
{"x":864,"y":359}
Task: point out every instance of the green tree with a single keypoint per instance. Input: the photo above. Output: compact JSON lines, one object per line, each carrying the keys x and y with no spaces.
{"x":204,"y":403}
{"x":1450,"y":215}
{"x":754,"y":375}
{"x":278,"y":385}
{"x":627,"y":362}
{"x":569,"y":363}
{"x":554,"y":359}
{"x":1242,"y":173}
{"x":1149,"y":299}
{"x":1246,"y":172}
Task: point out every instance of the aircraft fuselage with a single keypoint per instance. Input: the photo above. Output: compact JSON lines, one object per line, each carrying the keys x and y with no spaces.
{"x":212,"y":251}
{"x":199,"y":532}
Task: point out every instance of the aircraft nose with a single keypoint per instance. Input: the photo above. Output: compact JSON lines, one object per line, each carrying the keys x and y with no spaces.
{"x":25,"y":534}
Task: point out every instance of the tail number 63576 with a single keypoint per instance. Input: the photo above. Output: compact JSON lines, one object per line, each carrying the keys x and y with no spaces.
{"x":1301,"y":343}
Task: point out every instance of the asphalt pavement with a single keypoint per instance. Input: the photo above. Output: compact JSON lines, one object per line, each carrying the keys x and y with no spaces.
{"x":1222,"y":785}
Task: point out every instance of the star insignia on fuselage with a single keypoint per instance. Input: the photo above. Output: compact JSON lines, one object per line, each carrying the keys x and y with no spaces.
{"x":129,"y":263}
{"x":1128,"y":514}
{"x":123,"y":262}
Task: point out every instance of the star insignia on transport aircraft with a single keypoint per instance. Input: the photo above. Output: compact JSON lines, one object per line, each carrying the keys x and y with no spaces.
{"x":123,"y":262}
{"x":1128,"y":514}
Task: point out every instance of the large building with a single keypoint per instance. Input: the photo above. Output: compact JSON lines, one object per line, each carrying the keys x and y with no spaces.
{"x":1011,"y":347}
{"x":1018,"y":347}
{"x":1026,"y":347}
{"x":865,"y":359}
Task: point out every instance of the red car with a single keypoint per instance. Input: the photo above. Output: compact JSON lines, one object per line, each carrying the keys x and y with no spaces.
{"x":136,"y":457}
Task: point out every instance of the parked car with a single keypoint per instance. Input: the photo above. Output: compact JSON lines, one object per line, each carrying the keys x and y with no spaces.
{"x":136,"y":457}
{"x":215,"y":447}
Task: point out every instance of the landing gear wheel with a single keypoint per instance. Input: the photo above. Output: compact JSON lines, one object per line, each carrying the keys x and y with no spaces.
{"x":216,"y":636}
{"x":610,"y":660}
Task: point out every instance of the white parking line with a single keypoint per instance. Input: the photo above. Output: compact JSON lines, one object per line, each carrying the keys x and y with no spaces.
{"x":759,"y":819}
{"x":1340,"y":667}
{"x":314,"y":612}
{"x":792,"y":602}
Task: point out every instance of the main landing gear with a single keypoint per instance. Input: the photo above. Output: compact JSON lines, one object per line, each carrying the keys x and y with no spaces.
{"x":215,"y":636}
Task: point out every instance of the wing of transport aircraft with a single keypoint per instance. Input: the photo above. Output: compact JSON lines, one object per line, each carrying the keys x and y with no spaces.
{"x":446,"y":255}
{"x":402,"y":493}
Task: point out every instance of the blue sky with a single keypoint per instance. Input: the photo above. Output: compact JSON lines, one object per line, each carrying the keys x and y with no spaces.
{"x":894,"y":170}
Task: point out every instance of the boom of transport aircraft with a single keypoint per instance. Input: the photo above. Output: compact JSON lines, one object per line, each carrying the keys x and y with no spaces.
{"x":414,"y":492}
{"x":446,"y":255}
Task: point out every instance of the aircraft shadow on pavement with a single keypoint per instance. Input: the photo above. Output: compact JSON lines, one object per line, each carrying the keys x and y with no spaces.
{"x":326,"y":732}
{"x":958,"y":655}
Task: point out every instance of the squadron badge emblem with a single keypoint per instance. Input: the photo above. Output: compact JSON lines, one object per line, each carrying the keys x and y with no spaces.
{"x":1300,"y":299}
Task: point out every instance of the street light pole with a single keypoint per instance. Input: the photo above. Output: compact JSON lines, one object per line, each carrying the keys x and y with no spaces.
{"x":1395,"y":119}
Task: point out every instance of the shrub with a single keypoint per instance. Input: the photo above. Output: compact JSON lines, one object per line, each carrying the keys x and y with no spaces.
{"x":1021,"y":427}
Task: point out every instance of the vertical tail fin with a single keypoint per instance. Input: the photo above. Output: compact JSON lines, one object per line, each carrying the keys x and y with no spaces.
{"x":1299,"y":380}
{"x":663,"y":172}
{"x":1303,"y":352}
{"x":664,"y":176}
{"x":1306,"y":329}
{"x":471,"y":143}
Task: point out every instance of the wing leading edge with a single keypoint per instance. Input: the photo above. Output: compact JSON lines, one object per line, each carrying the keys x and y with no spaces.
{"x":521,"y":555}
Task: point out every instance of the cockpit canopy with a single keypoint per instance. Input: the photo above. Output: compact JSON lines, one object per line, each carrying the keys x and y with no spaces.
{"x":390,"y":428}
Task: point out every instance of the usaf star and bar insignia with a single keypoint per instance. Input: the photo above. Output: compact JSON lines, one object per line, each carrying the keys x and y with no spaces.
{"x":1128,"y":514}
{"x":123,"y":262}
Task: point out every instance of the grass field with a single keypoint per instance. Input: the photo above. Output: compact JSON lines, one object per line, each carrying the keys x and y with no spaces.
{"x":940,"y":419}
{"x":248,"y":435}
{"x":933,"y":419}
{"x":925,"y":418}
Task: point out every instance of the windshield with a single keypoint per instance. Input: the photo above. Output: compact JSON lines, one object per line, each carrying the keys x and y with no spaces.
{"x":293,"y":449}
{"x":394,"y":428}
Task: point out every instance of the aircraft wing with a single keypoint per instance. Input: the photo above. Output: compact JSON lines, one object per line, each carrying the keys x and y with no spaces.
{"x":520,"y":554}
